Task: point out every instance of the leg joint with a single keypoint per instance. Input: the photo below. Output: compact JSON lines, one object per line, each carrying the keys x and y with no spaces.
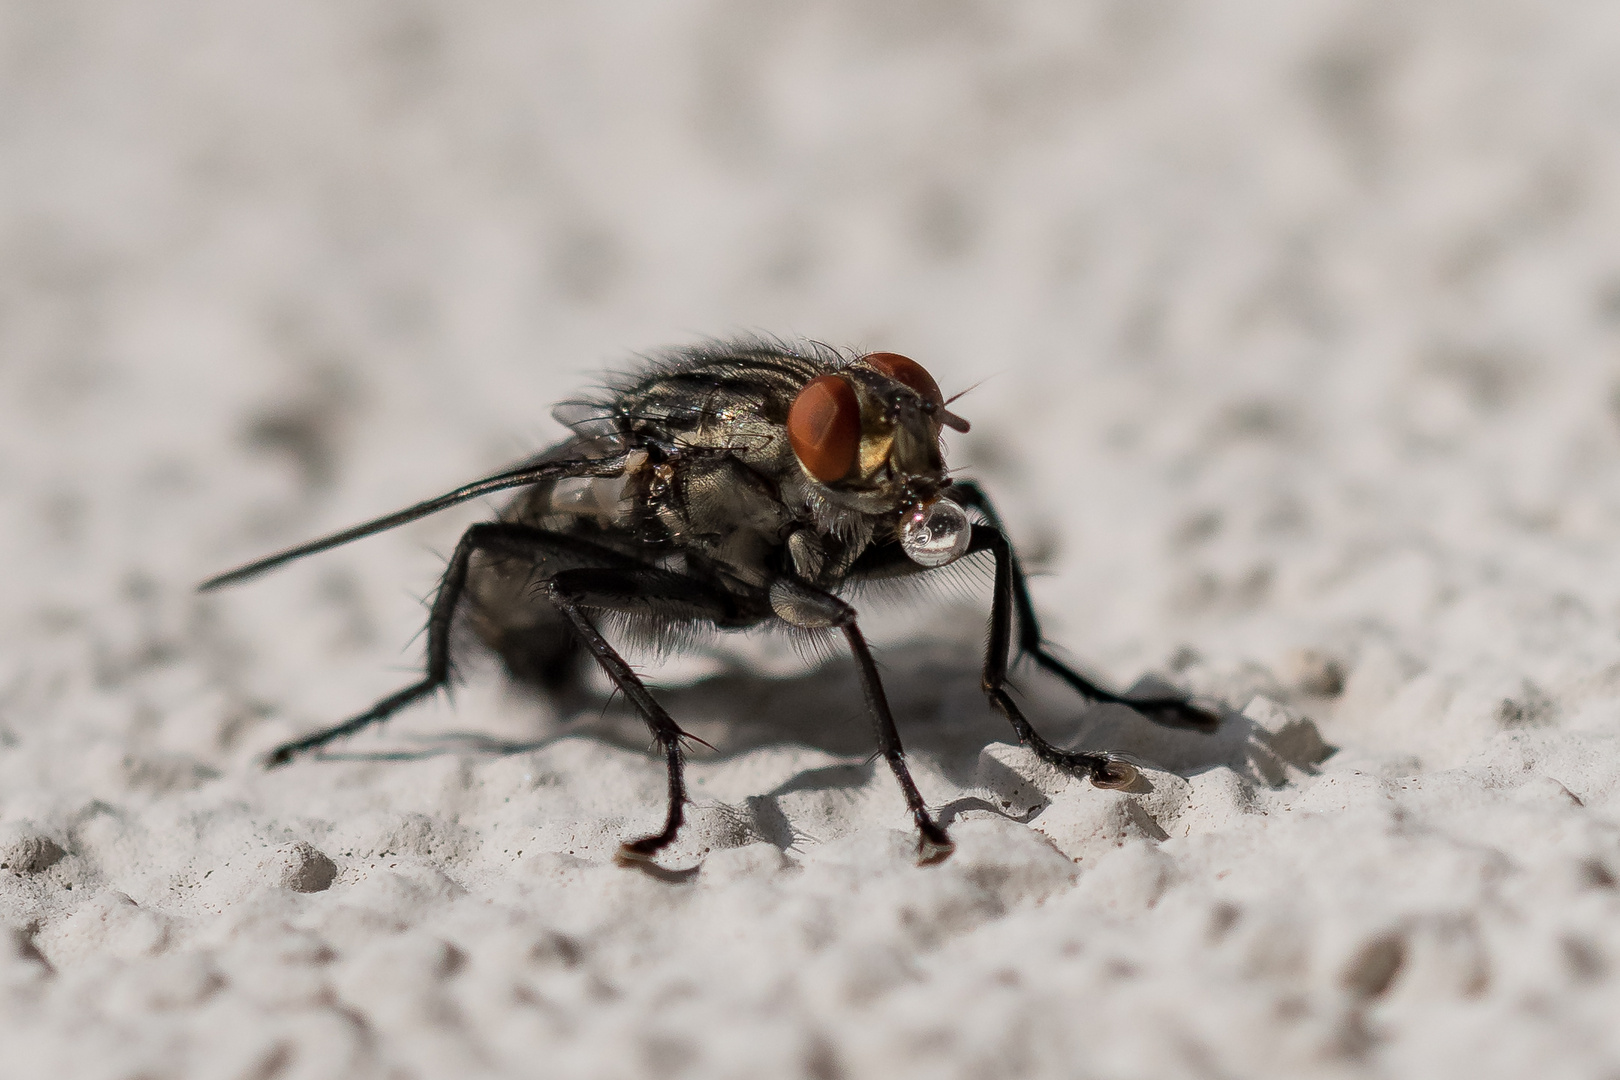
{"x":798,"y":604}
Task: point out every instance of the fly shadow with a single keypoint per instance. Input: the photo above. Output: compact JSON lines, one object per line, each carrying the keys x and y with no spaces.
{"x":940,"y":708}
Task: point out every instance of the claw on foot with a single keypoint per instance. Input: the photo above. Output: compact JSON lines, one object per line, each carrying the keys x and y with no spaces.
{"x":1114,"y":775}
{"x":279,"y":756}
{"x":933,"y":846}
{"x":630,"y":857}
{"x":634,"y":853}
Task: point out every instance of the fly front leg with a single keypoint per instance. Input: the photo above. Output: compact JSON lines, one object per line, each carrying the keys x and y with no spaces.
{"x":668,"y":598}
{"x":804,"y":606}
{"x":1172,"y":711}
{"x":1103,"y":770}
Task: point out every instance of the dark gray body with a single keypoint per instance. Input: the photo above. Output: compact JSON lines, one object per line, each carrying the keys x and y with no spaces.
{"x":710,"y":489}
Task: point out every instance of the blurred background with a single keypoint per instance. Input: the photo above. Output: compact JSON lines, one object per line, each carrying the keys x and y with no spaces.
{"x":1290,"y":326}
{"x":1293,"y":333}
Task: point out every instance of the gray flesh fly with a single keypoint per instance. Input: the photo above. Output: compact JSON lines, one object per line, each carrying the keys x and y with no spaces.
{"x":729,"y":485}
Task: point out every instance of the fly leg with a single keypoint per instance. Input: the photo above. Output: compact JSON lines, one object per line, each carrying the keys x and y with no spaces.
{"x":802,"y":605}
{"x":1170,"y":711}
{"x":1104,"y":772}
{"x":497,"y":538}
{"x":656,"y":594}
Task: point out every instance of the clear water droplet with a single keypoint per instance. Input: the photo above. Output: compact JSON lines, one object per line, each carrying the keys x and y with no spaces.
{"x":935,"y":534}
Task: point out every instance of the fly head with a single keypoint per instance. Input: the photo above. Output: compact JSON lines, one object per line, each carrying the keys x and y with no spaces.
{"x":869,"y":436}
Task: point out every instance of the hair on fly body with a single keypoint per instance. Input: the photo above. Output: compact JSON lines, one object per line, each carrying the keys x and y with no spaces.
{"x":729,"y":485}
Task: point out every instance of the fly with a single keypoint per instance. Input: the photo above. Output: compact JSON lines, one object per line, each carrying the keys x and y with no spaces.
{"x":734,"y":484}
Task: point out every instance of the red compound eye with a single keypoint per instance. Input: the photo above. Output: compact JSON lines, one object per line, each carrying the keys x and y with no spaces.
{"x":903,"y":369}
{"x":824,"y":427}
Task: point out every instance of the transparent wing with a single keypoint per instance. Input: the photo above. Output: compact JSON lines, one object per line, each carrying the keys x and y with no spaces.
{"x":522,"y":476}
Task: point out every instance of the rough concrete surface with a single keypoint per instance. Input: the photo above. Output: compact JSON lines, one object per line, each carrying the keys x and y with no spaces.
{"x":1294,"y":336}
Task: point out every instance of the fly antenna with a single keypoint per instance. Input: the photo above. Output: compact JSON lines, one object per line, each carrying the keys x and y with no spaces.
{"x":964,"y":393}
{"x":950,"y":419}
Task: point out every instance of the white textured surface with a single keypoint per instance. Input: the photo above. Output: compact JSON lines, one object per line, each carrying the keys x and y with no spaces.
{"x":1300,"y":325}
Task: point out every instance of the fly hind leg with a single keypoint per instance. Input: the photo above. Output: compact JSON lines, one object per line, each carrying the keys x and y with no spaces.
{"x":502,"y":540}
{"x":575,"y":576}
